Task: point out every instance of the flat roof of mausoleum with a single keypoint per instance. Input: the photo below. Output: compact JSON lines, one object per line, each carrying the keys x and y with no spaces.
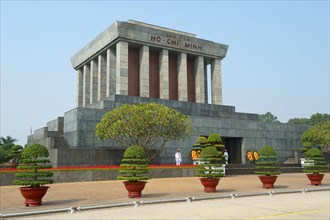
{"x":136,"y":32}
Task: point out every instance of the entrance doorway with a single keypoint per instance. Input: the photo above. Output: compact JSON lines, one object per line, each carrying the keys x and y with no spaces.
{"x":234,"y":149}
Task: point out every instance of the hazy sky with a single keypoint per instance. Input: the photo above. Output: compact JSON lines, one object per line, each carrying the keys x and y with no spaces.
{"x":277,"y":61}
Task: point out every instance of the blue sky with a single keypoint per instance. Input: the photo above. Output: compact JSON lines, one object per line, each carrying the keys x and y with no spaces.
{"x":277,"y":61}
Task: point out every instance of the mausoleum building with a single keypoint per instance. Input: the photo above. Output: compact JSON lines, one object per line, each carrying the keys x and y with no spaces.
{"x":137,"y":59}
{"x":133,"y":62}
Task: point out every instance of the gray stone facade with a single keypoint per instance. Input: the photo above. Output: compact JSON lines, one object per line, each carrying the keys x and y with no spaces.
{"x":72,"y":141}
{"x":103,"y":70}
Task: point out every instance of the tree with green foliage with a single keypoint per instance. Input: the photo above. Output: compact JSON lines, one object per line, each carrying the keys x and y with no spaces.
{"x":148,"y":125}
{"x":6,"y":143}
{"x":268,"y":117}
{"x":16,"y":152}
{"x":315,"y":119}
{"x":318,"y":135}
{"x":4,"y":155}
{"x":319,"y":118}
{"x":299,"y":121}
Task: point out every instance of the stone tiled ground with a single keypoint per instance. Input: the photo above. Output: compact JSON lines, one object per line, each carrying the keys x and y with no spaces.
{"x":64,"y":195}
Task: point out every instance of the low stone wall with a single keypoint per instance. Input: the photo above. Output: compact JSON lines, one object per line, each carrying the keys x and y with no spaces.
{"x":100,"y":175}
{"x":244,"y":169}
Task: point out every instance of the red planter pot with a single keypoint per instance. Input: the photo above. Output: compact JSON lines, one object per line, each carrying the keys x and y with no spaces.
{"x":315,"y":179}
{"x":268,"y":181}
{"x":210,"y":184}
{"x":134,"y":188}
{"x":33,"y":196}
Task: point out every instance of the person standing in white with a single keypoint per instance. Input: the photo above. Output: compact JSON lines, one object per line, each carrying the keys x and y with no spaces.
{"x":226,"y":156}
{"x":178,"y":157}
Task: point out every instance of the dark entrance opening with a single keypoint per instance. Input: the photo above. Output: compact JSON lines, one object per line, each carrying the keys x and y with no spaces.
{"x":234,"y":149}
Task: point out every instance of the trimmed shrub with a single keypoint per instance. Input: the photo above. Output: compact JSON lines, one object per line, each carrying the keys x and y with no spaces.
{"x":201,"y":140}
{"x":213,"y":160}
{"x":30,"y":169}
{"x":267,"y":163}
{"x":213,"y":138}
{"x":306,"y":147}
{"x":220,"y":147}
{"x":316,"y":162}
{"x":134,"y":165}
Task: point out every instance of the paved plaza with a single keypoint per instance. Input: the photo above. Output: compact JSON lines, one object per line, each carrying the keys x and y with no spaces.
{"x":287,"y":198}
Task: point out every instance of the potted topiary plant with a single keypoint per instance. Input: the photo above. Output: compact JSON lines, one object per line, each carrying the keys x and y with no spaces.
{"x":133,"y":168}
{"x":215,"y":140}
{"x":316,"y":166}
{"x":31,"y":175}
{"x":267,"y":165}
{"x":210,"y":171}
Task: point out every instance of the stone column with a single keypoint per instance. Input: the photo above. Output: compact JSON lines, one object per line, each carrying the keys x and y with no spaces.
{"x":163,"y":75}
{"x":111,"y":72}
{"x":93,"y":81}
{"x":199,"y":79}
{"x":80,"y":87}
{"x":206,"y":84}
{"x":102,"y":77}
{"x":122,"y":68}
{"x":216,"y":82}
{"x":144,"y":71}
{"x":182,"y":77}
{"x":86,"y":85}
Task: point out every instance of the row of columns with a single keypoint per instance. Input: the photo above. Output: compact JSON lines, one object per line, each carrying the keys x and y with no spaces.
{"x":107,"y":75}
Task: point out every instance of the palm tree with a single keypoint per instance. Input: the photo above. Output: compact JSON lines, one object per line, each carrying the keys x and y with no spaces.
{"x":7,"y":142}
